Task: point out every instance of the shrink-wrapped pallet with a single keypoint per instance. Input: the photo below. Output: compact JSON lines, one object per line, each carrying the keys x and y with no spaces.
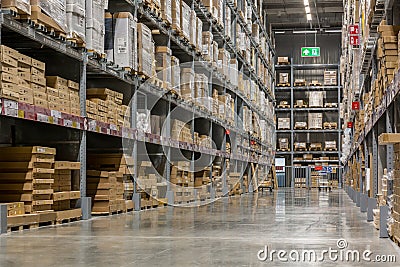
{"x":125,"y":40}
{"x":145,"y":49}
{"x":163,"y":64}
{"x":76,"y":20}
{"x":95,"y":28}
{"x":23,"y":6}
{"x":55,"y":9}
{"x":185,"y":19}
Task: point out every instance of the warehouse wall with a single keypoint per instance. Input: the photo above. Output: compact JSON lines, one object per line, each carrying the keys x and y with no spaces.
{"x":290,"y":45}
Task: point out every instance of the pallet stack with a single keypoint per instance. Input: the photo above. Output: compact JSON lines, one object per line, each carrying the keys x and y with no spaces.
{"x":387,"y":53}
{"x":148,"y":186}
{"x":26,"y":175}
{"x":105,"y":105}
{"x":145,"y":50}
{"x":181,"y":132}
{"x":64,"y":198}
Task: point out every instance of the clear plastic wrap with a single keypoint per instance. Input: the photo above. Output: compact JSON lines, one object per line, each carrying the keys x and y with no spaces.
{"x":22,"y":5}
{"x":76,"y":15}
{"x":55,"y":9}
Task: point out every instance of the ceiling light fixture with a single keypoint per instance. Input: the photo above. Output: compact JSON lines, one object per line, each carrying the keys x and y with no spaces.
{"x":300,"y":32}
{"x":308,"y":10}
{"x":333,"y":31}
{"x":280,"y":32}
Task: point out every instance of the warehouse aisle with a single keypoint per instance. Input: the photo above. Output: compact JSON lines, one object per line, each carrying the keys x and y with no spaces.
{"x":229,"y":232}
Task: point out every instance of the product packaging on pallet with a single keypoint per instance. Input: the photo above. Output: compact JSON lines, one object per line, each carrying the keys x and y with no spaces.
{"x":181,"y":132}
{"x":121,"y":40}
{"x":284,"y":78}
{"x":199,"y":34}
{"x":193,"y":28}
{"x":314,"y":121}
{"x":330,"y":145}
{"x":163,"y":65}
{"x":200,"y":89}
{"x":207,"y":46}
{"x":21,"y":6}
{"x":176,"y":15}
{"x":330,"y":77}
{"x":26,"y":176}
{"x":224,"y":59}
{"x":9,"y":73}
{"x":187,"y":83}
{"x":228,"y":21}
{"x":95,"y":28}
{"x":145,"y":50}
{"x":64,"y":198}
{"x":315,"y":99}
{"x":175,"y":74}
{"x":166,"y":10}
{"x":185,"y":19}
{"x":51,"y":13}
{"x":75,"y":12}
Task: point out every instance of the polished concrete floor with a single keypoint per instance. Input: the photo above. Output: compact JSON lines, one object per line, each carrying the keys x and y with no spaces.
{"x":229,"y":232}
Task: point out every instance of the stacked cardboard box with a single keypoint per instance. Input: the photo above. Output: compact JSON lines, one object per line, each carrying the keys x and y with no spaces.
{"x":62,"y":95}
{"x":147,"y":182}
{"x":330,"y":145}
{"x":106,"y":189}
{"x":187,"y":83}
{"x":175,"y":75}
{"x":9,"y":73}
{"x":387,"y":53}
{"x":15,"y":208}
{"x":62,"y":186}
{"x":26,"y":176}
{"x":145,"y":50}
{"x":181,"y":132}
{"x":105,"y":105}
{"x":176,"y":15}
{"x":163,"y":65}
{"x":207,"y":46}
{"x":200,"y":89}
{"x":185,"y":12}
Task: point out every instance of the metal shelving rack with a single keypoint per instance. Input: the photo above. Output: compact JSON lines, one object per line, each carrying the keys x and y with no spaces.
{"x":77,"y":134}
{"x":282,"y":93}
{"x":363,"y":146}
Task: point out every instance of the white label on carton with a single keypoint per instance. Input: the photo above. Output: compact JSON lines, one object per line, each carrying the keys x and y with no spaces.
{"x":122,"y":46}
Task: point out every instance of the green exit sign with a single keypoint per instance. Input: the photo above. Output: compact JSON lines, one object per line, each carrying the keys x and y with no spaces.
{"x":310,"y":51}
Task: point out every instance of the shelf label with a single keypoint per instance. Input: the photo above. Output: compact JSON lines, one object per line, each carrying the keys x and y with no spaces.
{"x":354,"y":40}
{"x":350,"y":124}
{"x":310,"y":51}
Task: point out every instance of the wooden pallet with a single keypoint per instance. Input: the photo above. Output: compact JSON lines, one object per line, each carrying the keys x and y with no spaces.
{"x":301,"y":106}
{"x":283,"y":85}
{"x":153,"y":8}
{"x":283,"y":106}
{"x":299,"y":84}
{"x":315,"y":84}
{"x":330,"y":149}
{"x":300,"y":149}
{"x":300,"y":127}
{"x":22,"y":222}
{"x":107,"y":213}
{"x":315,"y":149}
{"x":97,"y":55}
{"x":44,"y":23}
{"x":331,"y":105}
{"x":67,"y":216}
{"x":284,"y":149}
{"x":283,"y":63}
{"x":315,"y":128}
{"x":330,"y":125}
